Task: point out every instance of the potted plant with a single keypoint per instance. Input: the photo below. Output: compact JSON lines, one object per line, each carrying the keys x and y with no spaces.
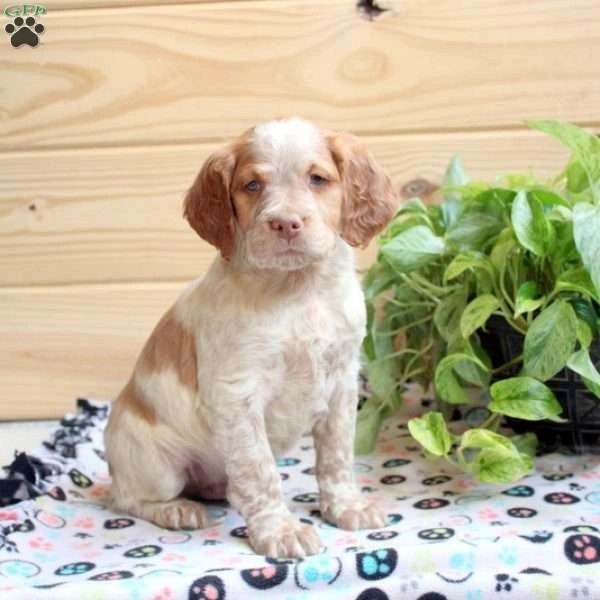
{"x":496,"y":289}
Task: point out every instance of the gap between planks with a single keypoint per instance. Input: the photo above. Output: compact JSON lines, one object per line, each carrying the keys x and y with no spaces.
{"x":422,"y":135}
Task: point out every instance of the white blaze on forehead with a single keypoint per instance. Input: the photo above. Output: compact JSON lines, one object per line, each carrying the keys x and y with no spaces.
{"x":287,"y":144}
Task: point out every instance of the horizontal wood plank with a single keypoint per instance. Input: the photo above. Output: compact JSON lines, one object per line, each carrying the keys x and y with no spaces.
{"x":195,"y":72}
{"x":55,"y":5}
{"x":114,"y":215}
{"x":62,"y":343}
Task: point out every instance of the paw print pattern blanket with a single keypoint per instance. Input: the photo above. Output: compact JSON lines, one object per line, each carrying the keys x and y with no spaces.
{"x":448,"y":536}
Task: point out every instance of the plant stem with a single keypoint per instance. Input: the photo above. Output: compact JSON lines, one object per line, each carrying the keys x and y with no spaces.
{"x":403,"y":327}
{"x":411,"y":284}
{"x":510,"y":363}
{"x":491,"y":422}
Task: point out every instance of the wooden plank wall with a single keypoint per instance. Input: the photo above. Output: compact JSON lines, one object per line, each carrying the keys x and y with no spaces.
{"x":105,"y":123}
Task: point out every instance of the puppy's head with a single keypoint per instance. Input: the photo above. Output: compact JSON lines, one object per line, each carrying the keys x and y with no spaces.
{"x":279,"y":195}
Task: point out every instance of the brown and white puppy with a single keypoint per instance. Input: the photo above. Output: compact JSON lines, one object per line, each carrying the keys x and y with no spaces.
{"x":261,"y":349}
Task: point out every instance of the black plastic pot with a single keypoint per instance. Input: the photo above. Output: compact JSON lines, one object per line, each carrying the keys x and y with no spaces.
{"x":581,"y":433}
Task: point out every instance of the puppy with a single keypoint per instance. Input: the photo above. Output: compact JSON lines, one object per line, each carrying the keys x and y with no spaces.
{"x":261,"y":349}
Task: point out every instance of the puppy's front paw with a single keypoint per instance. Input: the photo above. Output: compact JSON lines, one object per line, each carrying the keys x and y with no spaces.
{"x":355,"y":513}
{"x":283,"y":537}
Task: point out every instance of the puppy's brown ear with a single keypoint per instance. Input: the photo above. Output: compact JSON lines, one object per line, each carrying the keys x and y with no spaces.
{"x":369,"y":197}
{"x":208,"y":206}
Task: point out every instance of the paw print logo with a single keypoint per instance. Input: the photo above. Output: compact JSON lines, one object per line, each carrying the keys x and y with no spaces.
{"x":504,"y":582}
{"x":561,"y":498}
{"x":306,"y":498}
{"x":376,"y":565}
{"x":118,"y":523}
{"x":266,"y":577}
{"x":382,"y":535}
{"x":521,"y":512}
{"x":393,"y":479}
{"x":287,"y":462}
{"x":557,"y":476}
{"x":436,"y":480}
{"x":521,"y":491}
{"x":317,"y":572}
{"x":79,"y":479}
{"x":538,"y":537}
{"x":436,"y":534}
{"x":18,"y":569}
{"x":40,"y":543}
{"x":583,"y":549}
{"x":112,"y":576}
{"x":84,"y":523}
{"x":395,"y":462}
{"x":581,"y":529}
{"x":143,"y":551}
{"x":431,"y":503}
{"x":74,"y":568}
{"x":239,"y":532}
{"x":207,"y":588}
{"x":24,"y":31}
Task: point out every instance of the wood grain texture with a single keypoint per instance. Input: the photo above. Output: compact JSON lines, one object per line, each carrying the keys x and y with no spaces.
{"x":200,"y":72}
{"x":62,"y":343}
{"x":56,"y":5}
{"x":114,"y":215}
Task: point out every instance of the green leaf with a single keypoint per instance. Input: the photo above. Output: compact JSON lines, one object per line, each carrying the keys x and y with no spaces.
{"x":585,"y":312}
{"x":577,"y":280}
{"x":447,"y":384}
{"x":581,"y":363}
{"x":525,"y":443}
{"x":431,"y":432}
{"x":368,"y":423}
{"x":478,"y":222}
{"x":584,"y":334}
{"x":446,"y":316}
{"x":413,"y":248}
{"x":505,"y":245}
{"x":483,"y":438}
{"x":477,"y":313}
{"x":591,"y":386}
{"x":524,"y":398}
{"x":584,"y":145}
{"x":586,"y":231}
{"x":548,"y":197}
{"x":378,"y":278}
{"x":530,"y":224}
{"x":501,"y":465}
{"x":414,"y":205}
{"x":526,"y":300}
{"x":550,"y":341}
{"x":454,"y":177}
{"x":467,"y":260}
{"x":577,"y":179}
{"x":496,"y":459}
{"x":467,"y":370}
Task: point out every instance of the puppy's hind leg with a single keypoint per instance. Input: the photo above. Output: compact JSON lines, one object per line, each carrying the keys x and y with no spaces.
{"x":146,"y":482}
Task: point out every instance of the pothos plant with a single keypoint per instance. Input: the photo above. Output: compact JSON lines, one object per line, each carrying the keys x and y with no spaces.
{"x":524,"y":250}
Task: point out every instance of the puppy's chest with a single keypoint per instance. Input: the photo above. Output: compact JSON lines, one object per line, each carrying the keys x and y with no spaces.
{"x":320,"y":342}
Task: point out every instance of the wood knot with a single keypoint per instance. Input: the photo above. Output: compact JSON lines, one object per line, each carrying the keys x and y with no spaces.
{"x":418,"y":187}
{"x":369,"y":9}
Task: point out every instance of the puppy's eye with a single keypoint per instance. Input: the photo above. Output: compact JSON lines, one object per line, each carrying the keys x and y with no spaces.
{"x":253,"y":186}
{"x":317,"y":180}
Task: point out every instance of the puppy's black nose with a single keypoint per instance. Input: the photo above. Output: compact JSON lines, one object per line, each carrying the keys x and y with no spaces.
{"x":287,"y":228}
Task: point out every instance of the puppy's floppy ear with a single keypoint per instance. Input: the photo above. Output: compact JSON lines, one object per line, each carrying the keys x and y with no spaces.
{"x":208,"y":206}
{"x":369,"y":197}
